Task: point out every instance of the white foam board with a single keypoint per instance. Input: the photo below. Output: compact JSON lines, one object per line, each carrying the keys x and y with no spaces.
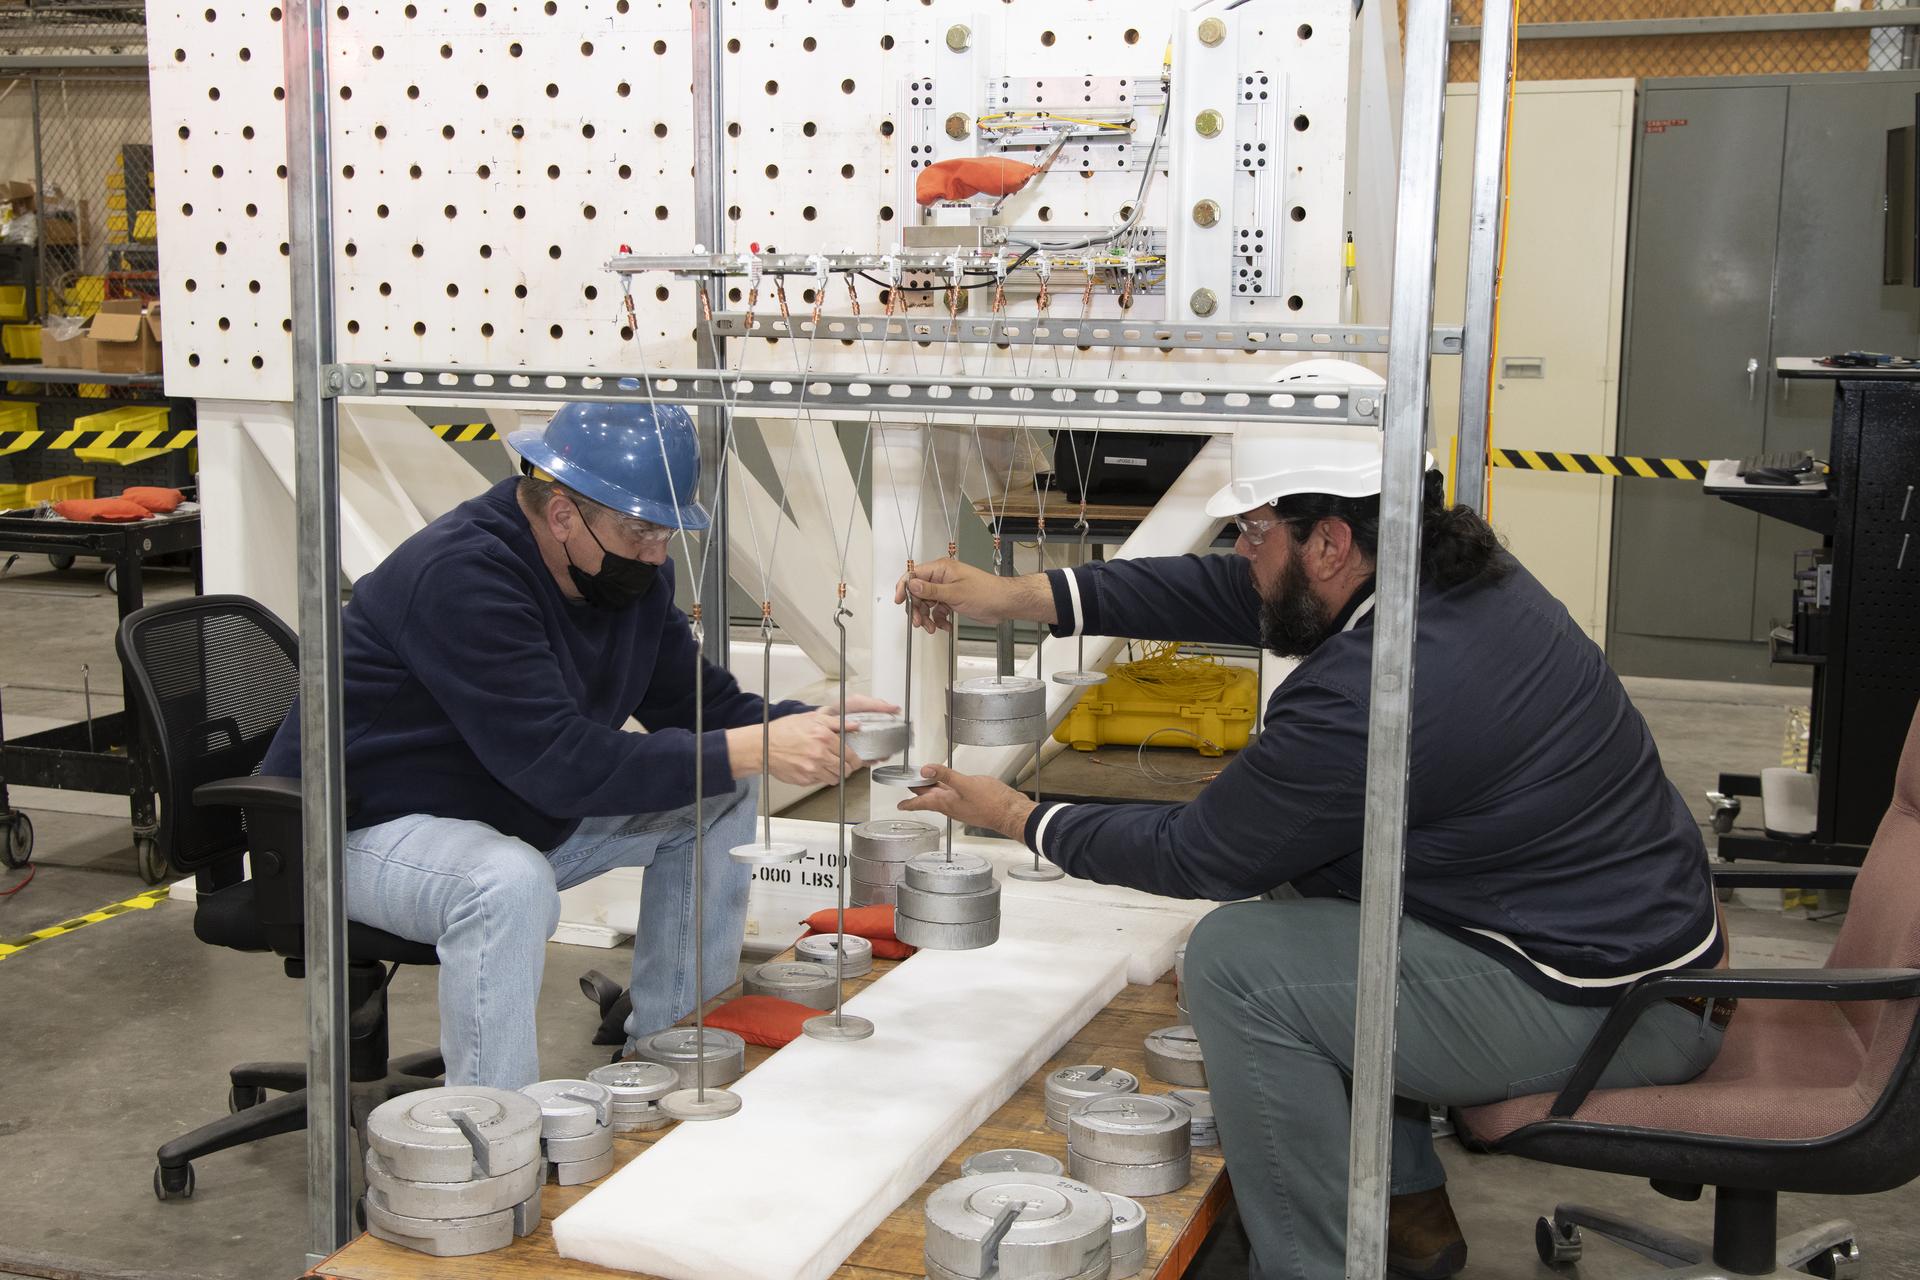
{"x":833,"y":1137}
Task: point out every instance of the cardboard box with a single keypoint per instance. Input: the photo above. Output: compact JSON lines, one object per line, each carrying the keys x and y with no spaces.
{"x":17,"y":194}
{"x":124,"y":338}
{"x":58,"y":354}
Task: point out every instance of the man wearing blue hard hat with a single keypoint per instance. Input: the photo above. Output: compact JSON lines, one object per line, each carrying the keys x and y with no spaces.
{"x":490,"y":664}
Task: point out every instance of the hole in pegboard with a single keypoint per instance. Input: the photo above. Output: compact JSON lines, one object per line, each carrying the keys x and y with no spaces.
{"x":886,"y":42}
{"x":519,"y":211}
{"x":886,"y":213}
{"x":386,"y":288}
{"x":193,"y":359}
{"x":520,"y":291}
{"x":660,"y":47}
{"x":219,"y":171}
{"x":1047,"y":38}
{"x":809,"y":44}
{"x":413,"y":92}
{"x":553,"y":172}
{"x":186,"y":211}
{"x":446,"y":131}
{"x":809,"y":213}
{"x":809,"y":128}
{"x":662,"y":294}
{"x":556,"y":331}
{"x":220,"y":247}
{"x":380,"y":132}
{"x":179,"y":55}
{"x":380,"y":211}
{"x":446,"y":51}
{"x":486,"y":251}
{"x":246,"y":131}
{"x":414,"y":171}
{"x":553,"y":90}
{"x":253,"y":286}
{"x":192,"y":284}
{"x":419,"y":250}
{"x":279,"y":93}
{"x":480,"y":91}
{"x":591,"y":292}
{"x":246,"y":54}
{"x":660,"y":212}
{"x":213,"y":94}
{"x":518,"y":131}
{"x":185,"y":133}
{"x":353,"y":326}
{"x":1297,"y":213}
{"x":773,"y":171}
{"x":1131,"y":35}
{"x":586,"y":48}
{"x":733,"y":128}
{"x":626,"y":171}
{"x":733,"y":213}
{"x":553,"y":251}
{"x":419,"y":328}
{"x":733,"y":45}
{"x":886,"y":128}
{"x":1295,"y":302}
{"x":379,"y":52}
{"x":1300,"y":123}
{"x":253,"y":211}
{"x":589,"y":213}
{"x":484,"y":172}
{"x":1306,"y":31}
{"x":586,"y":130}
{"x":846,"y":171}
{"x":225,"y":324}
{"x":733,"y":295}
{"x":1046,"y":213}
{"x":451,"y":212}
{"x":486,"y":330}
{"x":514,"y":50}
{"x":846,"y":86}
{"x":280,"y":171}
{"x":773,"y":87}
{"x":352,"y":250}
{"x":453,"y":290}
{"x":259,"y":362}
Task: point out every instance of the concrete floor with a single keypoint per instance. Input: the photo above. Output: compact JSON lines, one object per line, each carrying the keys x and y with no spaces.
{"x":116,"y":1037}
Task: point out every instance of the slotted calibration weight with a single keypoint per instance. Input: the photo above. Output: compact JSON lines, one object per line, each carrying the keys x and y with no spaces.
{"x":874,"y":735}
{"x":825,"y":948}
{"x":682,"y":1048}
{"x":1206,"y":1131}
{"x":576,"y":1129}
{"x":1173,"y":1055}
{"x":440,"y":1201}
{"x":1017,"y":1226}
{"x":877,"y":857}
{"x":455,"y":1134}
{"x":796,"y":980}
{"x":948,"y":903}
{"x":997,"y":711}
{"x":636,"y":1088}
{"x":1134,"y":1145}
{"x":1010,"y":1160}
{"x":1129,"y":1247}
{"x":1072,"y":1085}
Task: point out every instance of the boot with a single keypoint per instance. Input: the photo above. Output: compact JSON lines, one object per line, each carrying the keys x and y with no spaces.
{"x":1423,"y":1237}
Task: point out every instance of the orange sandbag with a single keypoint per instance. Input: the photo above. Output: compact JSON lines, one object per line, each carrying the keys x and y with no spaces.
{"x":110,"y":510}
{"x":153,"y":498}
{"x":971,"y":175}
{"x":764,"y":1020}
{"x":867,"y":922}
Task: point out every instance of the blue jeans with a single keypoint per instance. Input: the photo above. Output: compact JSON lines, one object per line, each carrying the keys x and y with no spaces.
{"x":489,"y":902}
{"x":1270,"y":986}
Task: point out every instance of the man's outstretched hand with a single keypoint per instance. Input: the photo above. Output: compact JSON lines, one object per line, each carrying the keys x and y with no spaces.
{"x":972,"y":800}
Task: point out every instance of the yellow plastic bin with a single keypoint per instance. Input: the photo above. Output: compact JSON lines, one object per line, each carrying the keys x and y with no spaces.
{"x":1169,"y":700}
{"x":123,"y":448}
{"x":21,"y":341}
{"x":60,"y":489}
{"x":13,"y":302}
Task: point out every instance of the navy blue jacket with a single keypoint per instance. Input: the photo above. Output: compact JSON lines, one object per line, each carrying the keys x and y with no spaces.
{"x":475,"y":689}
{"x":1541,"y":827}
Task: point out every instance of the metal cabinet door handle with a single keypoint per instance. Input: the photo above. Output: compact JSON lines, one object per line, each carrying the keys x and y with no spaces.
{"x":1753,"y":377}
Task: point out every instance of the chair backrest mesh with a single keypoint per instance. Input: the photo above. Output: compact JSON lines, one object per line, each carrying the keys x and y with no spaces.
{"x":213,"y":677}
{"x":1882,"y":928}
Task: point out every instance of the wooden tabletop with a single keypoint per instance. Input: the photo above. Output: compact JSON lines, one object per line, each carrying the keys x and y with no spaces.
{"x":1176,"y":1223}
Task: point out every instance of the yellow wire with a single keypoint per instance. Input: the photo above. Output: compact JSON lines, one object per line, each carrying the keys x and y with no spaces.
{"x":1177,"y":675}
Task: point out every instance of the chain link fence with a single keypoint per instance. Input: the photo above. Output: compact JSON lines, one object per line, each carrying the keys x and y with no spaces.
{"x":1643,"y":39}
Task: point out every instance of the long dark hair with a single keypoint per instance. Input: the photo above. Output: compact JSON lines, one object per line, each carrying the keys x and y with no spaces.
{"x":1456,"y":545}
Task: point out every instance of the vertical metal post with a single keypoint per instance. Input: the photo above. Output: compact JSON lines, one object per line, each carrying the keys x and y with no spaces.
{"x":1487,"y":216}
{"x":41,"y":271}
{"x":322,"y":752}
{"x":1396,"y":604}
{"x":709,"y":224}
{"x":1003,"y":633}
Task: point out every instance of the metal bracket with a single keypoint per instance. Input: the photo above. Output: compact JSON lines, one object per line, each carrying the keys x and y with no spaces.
{"x":345,"y":380}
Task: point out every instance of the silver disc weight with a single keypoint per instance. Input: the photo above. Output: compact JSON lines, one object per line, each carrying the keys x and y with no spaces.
{"x":947,"y":908}
{"x":1069,"y":1085}
{"x":634,"y":1083}
{"x":1097,"y":1269}
{"x":824,"y":949}
{"x":1021,"y":732}
{"x":864,"y":869}
{"x":901,"y":775}
{"x":892,"y":839}
{"x":1080,"y":679}
{"x":937,"y":873}
{"x":1135,"y":1128}
{"x":874,"y":735}
{"x":799,"y":981}
{"x":1199,"y":1103}
{"x":527,"y":1214}
{"x":455,"y":1134}
{"x":934,"y":936}
{"x":571,"y":1108}
{"x":1010,"y":1160}
{"x":571,"y":1173}
{"x":472,"y":1199}
{"x":681,"y":1048}
{"x":862,"y":894}
{"x":587,"y":1146}
{"x":1063,"y":1227}
{"x":1173,"y":1055}
{"x":998,"y":698}
{"x":439,"y":1237}
{"x":768,"y":853}
{"x":1129,"y":1224}
{"x":1131,"y":1179}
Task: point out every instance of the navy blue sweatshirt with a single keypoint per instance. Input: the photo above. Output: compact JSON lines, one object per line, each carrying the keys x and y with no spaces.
{"x":475,"y":689}
{"x":1541,"y":828}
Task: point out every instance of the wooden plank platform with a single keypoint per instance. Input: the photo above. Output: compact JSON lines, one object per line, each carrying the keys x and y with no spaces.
{"x":1176,"y":1223}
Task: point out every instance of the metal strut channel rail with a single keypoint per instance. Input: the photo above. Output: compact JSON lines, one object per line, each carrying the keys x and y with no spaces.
{"x":915,"y":393}
{"x":1020,"y":331}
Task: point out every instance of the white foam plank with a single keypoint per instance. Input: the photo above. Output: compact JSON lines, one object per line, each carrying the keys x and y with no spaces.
{"x":833,"y":1137}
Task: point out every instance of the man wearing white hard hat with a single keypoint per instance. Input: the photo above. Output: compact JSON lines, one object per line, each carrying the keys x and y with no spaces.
{"x":1550,"y":863}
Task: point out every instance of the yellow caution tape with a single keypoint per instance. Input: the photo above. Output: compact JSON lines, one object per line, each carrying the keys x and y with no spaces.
{"x":166,"y":439}
{"x":1600,"y":464}
{"x":139,"y":902}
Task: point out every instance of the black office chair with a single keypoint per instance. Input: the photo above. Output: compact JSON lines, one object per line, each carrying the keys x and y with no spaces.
{"x":213,"y":677}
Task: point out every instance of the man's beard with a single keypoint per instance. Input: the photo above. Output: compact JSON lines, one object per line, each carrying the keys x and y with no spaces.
{"x":1293,"y":621}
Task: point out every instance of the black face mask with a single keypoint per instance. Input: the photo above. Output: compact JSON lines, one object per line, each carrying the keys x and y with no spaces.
{"x":621,"y":582}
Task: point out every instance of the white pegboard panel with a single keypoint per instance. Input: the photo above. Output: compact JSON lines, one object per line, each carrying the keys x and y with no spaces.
{"x":491,"y":155}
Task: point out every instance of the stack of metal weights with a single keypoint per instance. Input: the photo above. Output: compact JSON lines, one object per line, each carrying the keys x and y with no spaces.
{"x":1070,"y":1086}
{"x":1137,"y":1144}
{"x":1173,"y":1055}
{"x":800,"y":981}
{"x":454,"y":1171}
{"x":825,"y":948}
{"x":1129,"y":1247}
{"x":947,"y":903}
{"x":636,"y":1089}
{"x":997,"y":711}
{"x":682,"y":1049}
{"x":1200,"y":1103}
{"x":1018,"y":1226}
{"x":877,"y":857}
{"x":576,"y":1129}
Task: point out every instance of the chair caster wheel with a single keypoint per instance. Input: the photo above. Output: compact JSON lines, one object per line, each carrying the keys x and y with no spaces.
{"x":1841,"y":1262}
{"x":1555,"y":1243}
{"x":151,"y":863}
{"x":242,"y":1096}
{"x":172,"y":1184}
{"x":16,"y":839}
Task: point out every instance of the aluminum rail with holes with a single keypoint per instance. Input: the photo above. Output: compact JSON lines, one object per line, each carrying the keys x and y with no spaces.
{"x":822,"y":392}
{"x":1026,"y":330}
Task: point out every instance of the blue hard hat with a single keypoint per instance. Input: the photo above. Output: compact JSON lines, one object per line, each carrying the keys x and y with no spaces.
{"x":639,"y":459}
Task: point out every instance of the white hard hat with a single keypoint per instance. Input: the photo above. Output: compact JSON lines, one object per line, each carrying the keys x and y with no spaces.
{"x":1271,"y":462}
